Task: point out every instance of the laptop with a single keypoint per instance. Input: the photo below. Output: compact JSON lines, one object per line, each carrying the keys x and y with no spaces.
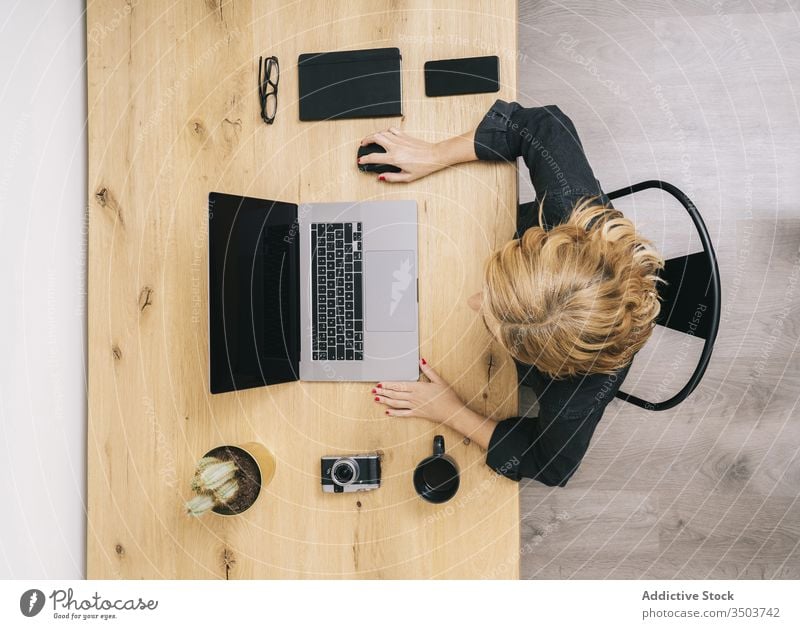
{"x":315,"y":291}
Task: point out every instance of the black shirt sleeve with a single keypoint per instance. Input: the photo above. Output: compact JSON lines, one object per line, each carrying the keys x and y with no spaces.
{"x":548,"y":448}
{"x":547,"y":140}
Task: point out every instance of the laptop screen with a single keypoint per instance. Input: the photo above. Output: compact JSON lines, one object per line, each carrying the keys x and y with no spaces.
{"x":253,"y":292}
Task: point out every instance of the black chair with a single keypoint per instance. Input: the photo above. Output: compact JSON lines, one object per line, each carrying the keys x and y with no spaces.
{"x":691,"y":296}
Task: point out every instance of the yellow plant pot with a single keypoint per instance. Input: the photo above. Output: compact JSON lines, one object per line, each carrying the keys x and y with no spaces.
{"x":264,"y":461}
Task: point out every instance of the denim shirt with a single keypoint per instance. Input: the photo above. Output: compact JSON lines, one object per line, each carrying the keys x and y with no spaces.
{"x":550,"y":447}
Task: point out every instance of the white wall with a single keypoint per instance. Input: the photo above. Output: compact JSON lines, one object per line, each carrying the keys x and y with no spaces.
{"x":42,"y":279}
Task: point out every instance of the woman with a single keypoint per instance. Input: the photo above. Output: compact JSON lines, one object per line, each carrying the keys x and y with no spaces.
{"x":572,"y":298}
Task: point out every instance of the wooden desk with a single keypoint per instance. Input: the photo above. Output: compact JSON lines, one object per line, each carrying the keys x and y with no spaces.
{"x":173,"y":114}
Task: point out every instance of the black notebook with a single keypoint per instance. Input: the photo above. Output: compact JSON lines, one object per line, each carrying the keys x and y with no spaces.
{"x":350,"y":84}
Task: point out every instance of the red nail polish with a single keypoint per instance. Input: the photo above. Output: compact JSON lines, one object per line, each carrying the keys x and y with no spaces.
{"x":377,"y":399}
{"x":381,"y":178}
{"x":387,"y":412}
{"x":424,"y":362}
{"x":379,"y":385}
{"x":374,"y":391}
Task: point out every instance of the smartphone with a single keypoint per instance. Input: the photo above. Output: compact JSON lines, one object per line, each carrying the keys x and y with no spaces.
{"x":470,"y":75}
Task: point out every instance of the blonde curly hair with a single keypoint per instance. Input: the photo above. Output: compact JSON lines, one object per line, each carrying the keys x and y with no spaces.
{"x":578,"y":299}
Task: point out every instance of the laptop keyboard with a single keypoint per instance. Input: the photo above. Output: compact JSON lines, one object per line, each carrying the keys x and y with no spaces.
{"x":336,"y":292}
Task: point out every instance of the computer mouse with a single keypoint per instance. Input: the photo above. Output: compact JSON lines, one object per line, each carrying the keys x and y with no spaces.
{"x":375,"y":168}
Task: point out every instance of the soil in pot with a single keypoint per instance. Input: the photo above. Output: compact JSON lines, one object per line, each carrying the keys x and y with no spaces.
{"x":247,"y":475}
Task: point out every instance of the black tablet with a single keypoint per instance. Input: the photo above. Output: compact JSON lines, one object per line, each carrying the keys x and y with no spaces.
{"x":350,"y":84}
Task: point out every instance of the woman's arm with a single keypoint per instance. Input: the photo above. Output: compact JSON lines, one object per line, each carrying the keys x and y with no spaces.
{"x":548,"y":448}
{"x":544,"y":137}
{"x":417,"y":158}
{"x":435,"y":401}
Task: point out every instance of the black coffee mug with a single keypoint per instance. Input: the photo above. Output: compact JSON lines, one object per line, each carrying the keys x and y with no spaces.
{"x":436,"y":478}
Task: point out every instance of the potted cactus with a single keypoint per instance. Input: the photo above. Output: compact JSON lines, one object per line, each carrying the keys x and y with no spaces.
{"x":228,"y":479}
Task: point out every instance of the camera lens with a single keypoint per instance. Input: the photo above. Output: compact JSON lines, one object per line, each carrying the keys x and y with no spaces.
{"x":344,"y":472}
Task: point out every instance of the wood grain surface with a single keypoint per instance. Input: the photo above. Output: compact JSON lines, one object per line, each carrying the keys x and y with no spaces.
{"x":173,"y":114}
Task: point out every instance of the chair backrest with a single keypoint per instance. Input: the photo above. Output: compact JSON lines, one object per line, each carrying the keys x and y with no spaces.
{"x":691,"y":297}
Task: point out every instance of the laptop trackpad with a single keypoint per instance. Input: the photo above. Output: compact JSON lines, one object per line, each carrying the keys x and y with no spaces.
{"x":390,"y":291}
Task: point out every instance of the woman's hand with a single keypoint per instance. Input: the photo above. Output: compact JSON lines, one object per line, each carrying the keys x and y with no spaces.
{"x":433,"y":400}
{"x":416,"y":158}
{"x":436,"y":401}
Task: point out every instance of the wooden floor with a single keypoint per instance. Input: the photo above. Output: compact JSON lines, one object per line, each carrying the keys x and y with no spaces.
{"x":704,"y":95}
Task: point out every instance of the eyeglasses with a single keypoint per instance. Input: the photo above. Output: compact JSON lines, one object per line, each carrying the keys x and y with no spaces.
{"x":269,"y":74}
